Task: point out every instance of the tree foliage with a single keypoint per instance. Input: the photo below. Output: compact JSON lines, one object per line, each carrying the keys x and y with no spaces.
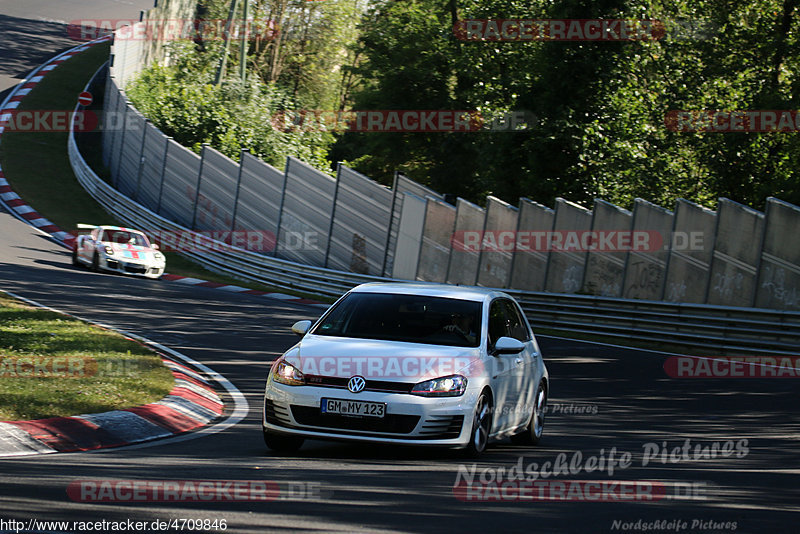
{"x":182,"y":101}
{"x":600,"y":106}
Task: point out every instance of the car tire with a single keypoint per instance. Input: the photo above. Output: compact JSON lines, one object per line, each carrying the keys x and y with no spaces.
{"x":481,"y":426}
{"x":96,"y":261}
{"x":282,"y":443}
{"x":532,"y":434}
{"x":75,"y":261}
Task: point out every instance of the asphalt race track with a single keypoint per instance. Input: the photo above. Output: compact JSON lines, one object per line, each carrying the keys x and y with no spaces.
{"x":602,"y":398}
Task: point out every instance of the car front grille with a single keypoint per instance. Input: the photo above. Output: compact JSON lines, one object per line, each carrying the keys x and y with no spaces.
{"x":372,"y":385}
{"x":442,"y":426}
{"x":277,"y":414}
{"x":390,"y":423}
{"x":133,"y":268}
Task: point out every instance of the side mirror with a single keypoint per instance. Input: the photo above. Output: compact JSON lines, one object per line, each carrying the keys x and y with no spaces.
{"x":301,"y":328}
{"x":507,"y":345}
{"x":155,"y":246}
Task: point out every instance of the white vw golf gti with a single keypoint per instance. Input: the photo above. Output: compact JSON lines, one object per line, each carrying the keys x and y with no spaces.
{"x":410,"y":364}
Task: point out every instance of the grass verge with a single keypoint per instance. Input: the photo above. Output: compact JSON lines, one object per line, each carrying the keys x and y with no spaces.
{"x":37,"y":166}
{"x":53,"y":365}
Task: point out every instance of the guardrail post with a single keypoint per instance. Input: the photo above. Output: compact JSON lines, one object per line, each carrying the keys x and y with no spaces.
{"x":115,"y":176}
{"x":141,"y":160}
{"x":480,"y":249}
{"x":422,"y":238}
{"x":333,"y":213}
{"x":280,"y":210}
{"x":197,"y":188}
{"x":391,"y":224}
{"x":238,"y":187}
{"x":163,"y":175}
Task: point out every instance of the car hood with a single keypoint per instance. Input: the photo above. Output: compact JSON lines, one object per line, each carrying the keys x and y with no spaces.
{"x":131,"y":252}
{"x":381,"y":360}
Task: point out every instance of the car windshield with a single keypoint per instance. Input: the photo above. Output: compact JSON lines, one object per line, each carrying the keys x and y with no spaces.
{"x":408,"y":318}
{"x":124,"y":237}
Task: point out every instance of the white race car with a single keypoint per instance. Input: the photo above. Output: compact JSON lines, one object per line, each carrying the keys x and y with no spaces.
{"x":117,"y":249}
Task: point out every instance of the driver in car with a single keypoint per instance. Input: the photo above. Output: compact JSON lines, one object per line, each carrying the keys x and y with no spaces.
{"x":462,"y":325}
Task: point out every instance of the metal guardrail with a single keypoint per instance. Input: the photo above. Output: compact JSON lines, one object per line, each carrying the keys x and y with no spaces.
{"x":717,"y":328}
{"x":720,"y":328}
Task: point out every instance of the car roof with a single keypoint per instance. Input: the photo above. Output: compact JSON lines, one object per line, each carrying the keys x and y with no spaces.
{"x":430,"y":289}
{"x":120,"y":228}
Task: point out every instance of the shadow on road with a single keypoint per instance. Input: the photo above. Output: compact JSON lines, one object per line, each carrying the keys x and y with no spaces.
{"x":26,"y":44}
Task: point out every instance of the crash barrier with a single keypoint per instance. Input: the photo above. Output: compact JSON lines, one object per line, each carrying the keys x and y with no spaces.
{"x":735,"y":256}
{"x":716,"y":328}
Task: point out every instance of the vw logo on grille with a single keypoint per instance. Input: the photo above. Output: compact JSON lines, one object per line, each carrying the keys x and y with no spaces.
{"x":356,"y":384}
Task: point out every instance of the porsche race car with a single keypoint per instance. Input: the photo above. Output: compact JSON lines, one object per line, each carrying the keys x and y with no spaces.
{"x":118,"y":249}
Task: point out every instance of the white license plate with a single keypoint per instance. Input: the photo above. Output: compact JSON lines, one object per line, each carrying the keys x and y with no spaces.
{"x":353,"y":408}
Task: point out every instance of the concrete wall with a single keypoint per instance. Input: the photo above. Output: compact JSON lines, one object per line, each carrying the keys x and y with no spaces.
{"x":464,"y":258}
{"x":530,"y":260}
{"x":605,"y":269}
{"x":779,"y":273}
{"x":691,"y":249}
{"x":737,"y":251}
{"x":645,"y":269}
{"x":495,"y":261}
{"x":565,"y":270}
{"x":434,"y":252}
{"x":409,"y":236}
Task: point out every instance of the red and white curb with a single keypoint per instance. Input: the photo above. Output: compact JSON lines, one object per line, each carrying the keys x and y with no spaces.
{"x":238,"y":289}
{"x":16,"y":206}
{"x":193,"y":403}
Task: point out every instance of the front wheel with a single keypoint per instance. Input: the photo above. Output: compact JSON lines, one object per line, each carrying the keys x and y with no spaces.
{"x":96,"y":261}
{"x":481,"y":426}
{"x":532,"y":434}
{"x":282,"y":443}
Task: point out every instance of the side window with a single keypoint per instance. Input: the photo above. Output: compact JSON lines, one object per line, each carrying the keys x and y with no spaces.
{"x":516,"y":324}
{"x":498,"y":325}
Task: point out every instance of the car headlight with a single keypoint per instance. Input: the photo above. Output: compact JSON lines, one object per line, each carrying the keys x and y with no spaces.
{"x":109,"y":250}
{"x":158,"y":256}
{"x":286,"y":373}
{"x":447,"y":386}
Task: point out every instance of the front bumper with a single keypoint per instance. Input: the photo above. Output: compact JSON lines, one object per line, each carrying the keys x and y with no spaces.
{"x":409,"y":419}
{"x":132,"y":267}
